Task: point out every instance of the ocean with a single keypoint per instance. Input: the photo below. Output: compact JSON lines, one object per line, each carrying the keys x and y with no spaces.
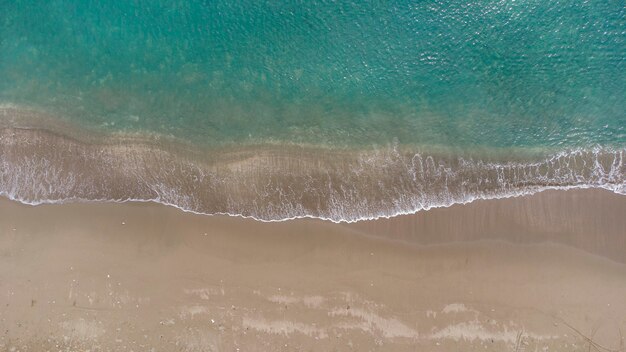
{"x":337,"y":110}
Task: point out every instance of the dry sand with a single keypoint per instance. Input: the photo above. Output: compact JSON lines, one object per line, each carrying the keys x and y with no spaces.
{"x":537,"y":273}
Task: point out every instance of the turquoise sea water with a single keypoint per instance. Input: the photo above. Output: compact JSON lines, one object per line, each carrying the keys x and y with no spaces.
{"x":510,"y":75}
{"x":452,"y":73}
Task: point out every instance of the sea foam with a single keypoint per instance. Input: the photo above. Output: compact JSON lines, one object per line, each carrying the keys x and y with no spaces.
{"x":275,"y":183}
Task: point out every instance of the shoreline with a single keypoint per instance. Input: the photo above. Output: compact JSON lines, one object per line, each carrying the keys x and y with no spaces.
{"x":530,"y":214}
{"x":277,"y":183}
{"x":540,"y":271}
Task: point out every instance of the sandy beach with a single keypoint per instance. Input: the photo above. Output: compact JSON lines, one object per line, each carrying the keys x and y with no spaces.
{"x":539,"y":273}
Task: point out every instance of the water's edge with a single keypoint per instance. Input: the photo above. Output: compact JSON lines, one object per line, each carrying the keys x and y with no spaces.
{"x":276,"y":183}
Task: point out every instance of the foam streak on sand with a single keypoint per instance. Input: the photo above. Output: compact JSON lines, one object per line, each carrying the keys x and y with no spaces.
{"x":273,"y":184}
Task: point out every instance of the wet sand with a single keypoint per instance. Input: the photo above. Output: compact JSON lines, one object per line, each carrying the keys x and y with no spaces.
{"x":535,"y":273}
{"x":276,"y":181}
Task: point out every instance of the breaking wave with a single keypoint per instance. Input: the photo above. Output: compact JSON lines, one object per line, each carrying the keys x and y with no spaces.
{"x":273,"y":183}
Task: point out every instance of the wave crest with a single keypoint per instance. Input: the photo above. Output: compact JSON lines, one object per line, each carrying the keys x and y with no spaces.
{"x":273,"y":183}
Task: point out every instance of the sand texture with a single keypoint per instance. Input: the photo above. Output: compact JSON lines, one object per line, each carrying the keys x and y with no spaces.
{"x":538,"y":273}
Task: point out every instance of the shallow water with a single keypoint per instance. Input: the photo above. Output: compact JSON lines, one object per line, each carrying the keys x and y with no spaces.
{"x":471,"y":73}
